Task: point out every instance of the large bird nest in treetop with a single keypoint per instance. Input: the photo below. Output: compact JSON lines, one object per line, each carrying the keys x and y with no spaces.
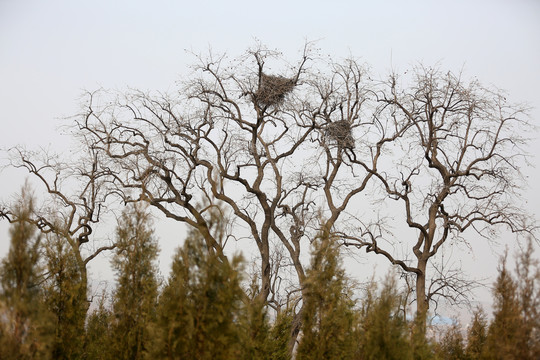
{"x":341,"y":132}
{"x":273,"y":89}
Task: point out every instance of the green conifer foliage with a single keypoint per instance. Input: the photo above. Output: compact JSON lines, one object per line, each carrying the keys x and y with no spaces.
{"x":505,"y":333}
{"x":98,"y":332}
{"x":279,"y":336}
{"x":259,"y":339}
{"x":65,"y":296}
{"x":24,"y":321}
{"x":328,"y":315}
{"x":514,"y":332}
{"x":135,"y":298}
{"x":254,"y":326}
{"x":421,"y":346}
{"x":476,"y":335}
{"x":527,"y":276}
{"x":451,"y":346}
{"x":198,"y":312}
{"x":383,"y":330}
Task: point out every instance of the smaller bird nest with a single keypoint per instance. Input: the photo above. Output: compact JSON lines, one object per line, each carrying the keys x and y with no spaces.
{"x":273,"y":89}
{"x":341,"y":132}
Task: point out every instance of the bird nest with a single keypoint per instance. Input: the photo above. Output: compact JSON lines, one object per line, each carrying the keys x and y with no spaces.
{"x":341,"y":132}
{"x":273,"y":89}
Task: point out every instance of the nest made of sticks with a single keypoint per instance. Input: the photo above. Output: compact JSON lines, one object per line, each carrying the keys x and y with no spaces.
{"x":341,"y":132}
{"x":273,"y":89}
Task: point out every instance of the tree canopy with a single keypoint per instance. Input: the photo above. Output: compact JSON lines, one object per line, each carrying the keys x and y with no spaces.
{"x":277,"y":156}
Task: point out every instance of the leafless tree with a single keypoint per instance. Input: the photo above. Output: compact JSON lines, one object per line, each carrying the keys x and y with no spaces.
{"x":459,"y":169}
{"x":288,"y":149}
{"x":230,"y":137}
{"x":71,"y":204}
{"x":263,"y":138}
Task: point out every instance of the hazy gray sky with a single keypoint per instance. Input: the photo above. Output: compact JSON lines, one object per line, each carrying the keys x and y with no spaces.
{"x":50,"y":51}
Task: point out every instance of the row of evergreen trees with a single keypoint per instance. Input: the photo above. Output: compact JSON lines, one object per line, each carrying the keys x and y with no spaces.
{"x":203,"y":312}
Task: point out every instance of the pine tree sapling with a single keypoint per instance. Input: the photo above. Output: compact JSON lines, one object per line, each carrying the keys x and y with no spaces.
{"x":383,"y":331}
{"x":135,"y":297}
{"x":328,"y":314}
{"x":505,"y":333}
{"x":65,"y":296}
{"x":279,"y":336}
{"x":99,"y":342}
{"x":24,"y":320}
{"x":476,"y":335}
{"x":451,"y":346}
{"x":199,"y":308}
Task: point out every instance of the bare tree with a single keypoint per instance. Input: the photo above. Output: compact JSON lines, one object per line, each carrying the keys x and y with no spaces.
{"x":265,"y":139}
{"x":461,"y":147}
{"x":71,"y":205}
{"x":232,"y":136}
{"x":288,"y":149}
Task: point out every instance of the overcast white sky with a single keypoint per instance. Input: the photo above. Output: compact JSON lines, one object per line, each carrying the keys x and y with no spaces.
{"x":50,"y":51}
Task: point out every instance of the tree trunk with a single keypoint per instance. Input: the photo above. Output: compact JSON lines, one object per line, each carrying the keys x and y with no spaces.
{"x":295,"y":330}
{"x":422,"y":304}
